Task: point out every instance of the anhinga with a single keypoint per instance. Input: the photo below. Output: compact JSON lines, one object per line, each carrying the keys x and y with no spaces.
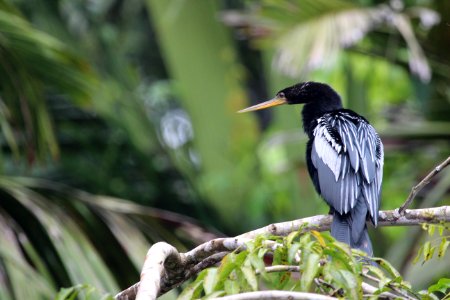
{"x":344,"y":156}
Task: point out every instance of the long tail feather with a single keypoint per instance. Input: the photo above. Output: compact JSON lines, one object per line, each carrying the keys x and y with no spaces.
{"x":340,"y":228}
{"x":350,"y":230}
{"x":364,"y":243}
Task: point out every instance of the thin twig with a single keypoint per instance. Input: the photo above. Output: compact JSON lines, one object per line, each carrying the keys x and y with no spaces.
{"x":416,"y":189}
{"x":319,"y":285}
{"x":394,"y":289}
{"x":373,"y":278}
{"x":370,"y":289}
{"x":280,"y":268}
{"x":321,"y":282}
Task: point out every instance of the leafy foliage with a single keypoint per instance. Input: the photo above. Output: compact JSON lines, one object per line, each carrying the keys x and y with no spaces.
{"x":67,"y":237}
{"x":81,"y":292}
{"x":440,"y":243}
{"x":442,"y":287}
{"x":312,"y":262}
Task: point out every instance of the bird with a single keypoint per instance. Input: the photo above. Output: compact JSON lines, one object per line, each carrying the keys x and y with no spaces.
{"x":344,"y":157}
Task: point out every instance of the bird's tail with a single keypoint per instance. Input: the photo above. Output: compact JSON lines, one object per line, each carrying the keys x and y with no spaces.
{"x":351,"y":228}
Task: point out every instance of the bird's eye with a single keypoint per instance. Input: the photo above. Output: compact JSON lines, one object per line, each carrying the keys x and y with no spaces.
{"x":281,"y":95}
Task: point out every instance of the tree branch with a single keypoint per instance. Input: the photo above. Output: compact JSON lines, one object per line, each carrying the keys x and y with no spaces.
{"x":410,"y":217}
{"x":165,"y":268}
{"x":416,"y":189}
{"x":274,"y":295}
{"x":161,"y":258}
{"x":370,"y":290}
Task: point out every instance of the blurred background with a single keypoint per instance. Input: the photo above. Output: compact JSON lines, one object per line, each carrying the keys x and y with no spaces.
{"x":119,"y":125}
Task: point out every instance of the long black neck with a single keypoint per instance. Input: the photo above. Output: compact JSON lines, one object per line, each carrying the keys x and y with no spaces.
{"x":316,"y":109}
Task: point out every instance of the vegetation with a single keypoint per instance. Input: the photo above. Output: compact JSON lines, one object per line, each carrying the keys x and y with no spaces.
{"x":311,"y":262}
{"x":107,"y":100}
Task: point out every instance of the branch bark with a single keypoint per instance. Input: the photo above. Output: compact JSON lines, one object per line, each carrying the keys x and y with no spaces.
{"x":166,"y":268}
{"x":416,"y":189}
{"x":275,"y":295}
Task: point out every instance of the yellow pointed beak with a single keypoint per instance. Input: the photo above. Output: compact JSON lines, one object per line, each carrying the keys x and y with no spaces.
{"x":273,"y":102}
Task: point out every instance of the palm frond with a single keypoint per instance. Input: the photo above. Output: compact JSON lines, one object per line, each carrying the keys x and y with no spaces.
{"x":23,"y":281}
{"x":316,"y":42}
{"x":32,"y":64}
{"x":417,"y":61}
{"x":309,"y":34}
{"x":53,"y":236}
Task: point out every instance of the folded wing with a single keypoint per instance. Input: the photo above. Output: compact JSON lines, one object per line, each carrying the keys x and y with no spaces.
{"x":348,"y":156}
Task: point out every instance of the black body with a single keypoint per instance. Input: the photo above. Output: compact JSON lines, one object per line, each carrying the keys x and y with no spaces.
{"x":344,"y":157}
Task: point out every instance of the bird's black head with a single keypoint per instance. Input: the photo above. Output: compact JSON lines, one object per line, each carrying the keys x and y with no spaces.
{"x":308,"y":92}
{"x":316,"y":94}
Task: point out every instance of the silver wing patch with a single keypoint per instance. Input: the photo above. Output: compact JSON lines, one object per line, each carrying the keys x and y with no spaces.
{"x":349,"y":165}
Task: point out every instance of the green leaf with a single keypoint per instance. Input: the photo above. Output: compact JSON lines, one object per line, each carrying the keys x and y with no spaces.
{"x":250,"y":277}
{"x":280,"y":279}
{"x":291,"y":237}
{"x":318,"y":237}
{"x":210,"y":280}
{"x":193,"y":290}
{"x":398,"y":282}
{"x":441,"y":230}
{"x":304,"y":239}
{"x":240,"y":258}
{"x":443,"y":246}
{"x":341,"y":255}
{"x":416,"y":259}
{"x":279,"y":256}
{"x":425,"y":295}
{"x":227,"y":266}
{"x":231,"y":287}
{"x":441,"y":286}
{"x":251,"y":245}
{"x":431,"y":229}
{"x":65,"y":293}
{"x":215,"y":295}
{"x":426,"y":250}
{"x":376,"y":271}
{"x":257,"y":260}
{"x":388,"y":267}
{"x":310,"y":268}
{"x":292,"y":252}
{"x":431,"y":253}
{"x":350,"y":279}
{"x":381,"y":290}
{"x":349,"y":282}
{"x":81,"y":291}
